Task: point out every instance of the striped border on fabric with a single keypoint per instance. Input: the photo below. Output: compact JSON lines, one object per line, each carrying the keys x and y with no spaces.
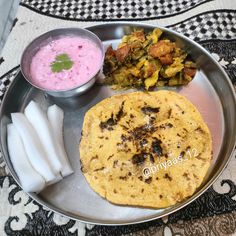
{"x":112,"y":10}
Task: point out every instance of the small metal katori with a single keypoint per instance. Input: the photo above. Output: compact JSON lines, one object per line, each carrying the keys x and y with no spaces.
{"x":210,"y":91}
{"x":45,"y":39}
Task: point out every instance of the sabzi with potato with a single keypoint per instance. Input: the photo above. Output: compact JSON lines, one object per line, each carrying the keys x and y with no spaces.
{"x":147,"y":60}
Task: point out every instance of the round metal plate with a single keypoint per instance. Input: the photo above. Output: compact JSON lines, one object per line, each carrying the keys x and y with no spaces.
{"x":210,"y":91}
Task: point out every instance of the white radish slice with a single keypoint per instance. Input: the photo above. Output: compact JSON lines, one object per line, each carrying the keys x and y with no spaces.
{"x":30,"y":179}
{"x":56,"y":117}
{"x":39,"y":121}
{"x":33,"y":146}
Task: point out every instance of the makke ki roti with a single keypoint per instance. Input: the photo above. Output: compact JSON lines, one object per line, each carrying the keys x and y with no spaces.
{"x":147,"y":149}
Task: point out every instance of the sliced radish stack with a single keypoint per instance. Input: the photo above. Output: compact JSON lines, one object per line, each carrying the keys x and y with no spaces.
{"x":33,"y":147}
{"x":56,"y":117}
{"x":30,"y":179}
{"x":39,"y":121}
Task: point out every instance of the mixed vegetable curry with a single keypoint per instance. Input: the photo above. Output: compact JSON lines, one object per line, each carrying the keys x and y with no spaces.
{"x":147,"y":60}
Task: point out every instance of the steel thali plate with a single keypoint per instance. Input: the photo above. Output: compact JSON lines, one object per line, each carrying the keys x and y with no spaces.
{"x":210,"y":91}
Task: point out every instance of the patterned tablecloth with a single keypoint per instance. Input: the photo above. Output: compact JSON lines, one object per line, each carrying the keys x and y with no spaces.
{"x":212,"y":23}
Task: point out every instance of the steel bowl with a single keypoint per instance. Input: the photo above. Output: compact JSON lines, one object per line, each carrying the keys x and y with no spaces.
{"x":45,"y":39}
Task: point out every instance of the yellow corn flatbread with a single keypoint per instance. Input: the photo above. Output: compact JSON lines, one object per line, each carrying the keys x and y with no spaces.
{"x":147,"y":149}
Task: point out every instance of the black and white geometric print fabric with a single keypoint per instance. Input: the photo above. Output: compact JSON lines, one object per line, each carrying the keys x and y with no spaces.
{"x":111,"y":9}
{"x":5,"y":81}
{"x":209,"y":25}
{"x":215,"y":29}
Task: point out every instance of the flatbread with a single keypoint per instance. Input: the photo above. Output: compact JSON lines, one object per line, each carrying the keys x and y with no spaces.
{"x":147,"y":149}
